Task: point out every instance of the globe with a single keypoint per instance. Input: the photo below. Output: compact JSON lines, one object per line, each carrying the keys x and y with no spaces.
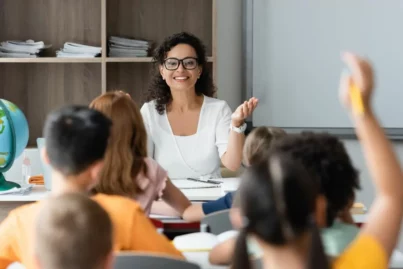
{"x":14,"y":134}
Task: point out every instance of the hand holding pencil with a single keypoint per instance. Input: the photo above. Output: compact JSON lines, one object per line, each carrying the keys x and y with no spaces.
{"x":356,"y":87}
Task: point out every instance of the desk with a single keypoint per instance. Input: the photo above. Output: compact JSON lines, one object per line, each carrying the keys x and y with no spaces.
{"x":203,"y":194}
{"x":10,"y":201}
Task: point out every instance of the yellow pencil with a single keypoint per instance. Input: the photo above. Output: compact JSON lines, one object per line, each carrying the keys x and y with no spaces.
{"x":356,"y":99}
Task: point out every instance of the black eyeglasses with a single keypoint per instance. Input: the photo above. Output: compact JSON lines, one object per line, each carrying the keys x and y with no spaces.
{"x":189,"y":63}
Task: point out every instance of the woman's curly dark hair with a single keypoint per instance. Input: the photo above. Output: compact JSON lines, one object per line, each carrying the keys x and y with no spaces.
{"x":159,"y":90}
{"x":326,"y":158}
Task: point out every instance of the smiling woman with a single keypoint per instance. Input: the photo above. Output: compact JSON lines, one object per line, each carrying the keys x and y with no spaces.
{"x":189,"y":132}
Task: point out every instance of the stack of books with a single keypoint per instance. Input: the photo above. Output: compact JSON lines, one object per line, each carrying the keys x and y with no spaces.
{"x":75,"y":50}
{"x":22,"y":49}
{"x":125,"y":47}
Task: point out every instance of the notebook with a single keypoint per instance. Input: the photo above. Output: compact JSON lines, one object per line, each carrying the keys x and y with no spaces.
{"x":46,"y":168}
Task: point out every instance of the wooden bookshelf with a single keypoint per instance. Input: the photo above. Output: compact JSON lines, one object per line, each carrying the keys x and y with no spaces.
{"x":50,"y":60}
{"x":39,"y":85}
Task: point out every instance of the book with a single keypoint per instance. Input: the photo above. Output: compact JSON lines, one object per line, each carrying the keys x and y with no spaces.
{"x":22,"y":49}
{"x":126,"y":47}
{"x":76,"y":50}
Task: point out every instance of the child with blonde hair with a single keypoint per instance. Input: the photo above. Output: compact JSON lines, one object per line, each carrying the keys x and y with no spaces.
{"x":254,"y":150}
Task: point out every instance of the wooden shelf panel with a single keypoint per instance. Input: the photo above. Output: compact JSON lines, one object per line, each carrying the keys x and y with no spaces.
{"x":137,"y":59}
{"x":129,"y":77}
{"x":81,"y":60}
{"x":54,"y":22}
{"x":155,"y":20}
{"x":50,"y":60}
{"x":37,"y":89}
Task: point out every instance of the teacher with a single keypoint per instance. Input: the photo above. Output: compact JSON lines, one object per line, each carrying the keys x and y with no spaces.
{"x":189,"y":131}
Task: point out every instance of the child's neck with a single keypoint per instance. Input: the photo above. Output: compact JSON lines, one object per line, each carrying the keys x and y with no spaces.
{"x":62,"y":184}
{"x":294,"y":255}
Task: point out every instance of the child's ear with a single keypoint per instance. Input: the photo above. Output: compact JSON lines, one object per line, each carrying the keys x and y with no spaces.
{"x":45,"y":156}
{"x":96,"y":169}
{"x":320,"y":211}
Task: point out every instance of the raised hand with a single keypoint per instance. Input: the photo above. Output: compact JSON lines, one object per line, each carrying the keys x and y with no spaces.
{"x":243,"y":111}
{"x":361,"y":75}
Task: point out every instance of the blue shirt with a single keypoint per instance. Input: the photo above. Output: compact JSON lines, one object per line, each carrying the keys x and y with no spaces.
{"x":221,"y":203}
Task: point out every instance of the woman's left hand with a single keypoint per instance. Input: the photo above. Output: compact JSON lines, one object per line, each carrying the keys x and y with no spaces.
{"x":244,"y":111}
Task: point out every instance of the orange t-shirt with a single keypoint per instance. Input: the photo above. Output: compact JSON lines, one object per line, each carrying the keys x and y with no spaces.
{"x":133,"y":231}
{"x":365,"y":252}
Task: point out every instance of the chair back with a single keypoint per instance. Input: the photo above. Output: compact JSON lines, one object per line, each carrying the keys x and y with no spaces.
{"x":216,"y":223}
{"x":130,"y":260}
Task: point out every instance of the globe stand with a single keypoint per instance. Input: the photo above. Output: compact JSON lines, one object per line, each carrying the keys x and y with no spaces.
{"x":7,"y":185}
{"x":4,"y":184}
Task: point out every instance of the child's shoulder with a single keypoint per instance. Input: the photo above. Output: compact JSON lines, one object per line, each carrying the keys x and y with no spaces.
{"x":117,"y":203}
{"x":26,"y":211}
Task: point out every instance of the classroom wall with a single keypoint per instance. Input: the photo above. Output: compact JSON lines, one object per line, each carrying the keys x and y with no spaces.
{"x":367,"y":194}
{"x":229,"y":51}
{"x":230,"y":80}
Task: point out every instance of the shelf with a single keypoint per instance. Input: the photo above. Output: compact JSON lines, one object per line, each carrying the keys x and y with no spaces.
{"x":38,"y":89}
{"x":137,"y":59}
{"x":81,"y":60}
{"x":154,"y":20}
{"x":50,"y":60}
{"x":51,"y":21}
{"x":39,"y":85}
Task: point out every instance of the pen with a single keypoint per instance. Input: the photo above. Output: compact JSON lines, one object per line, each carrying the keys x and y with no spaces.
{"x":205,"y":180}
{"x":356,"y":99}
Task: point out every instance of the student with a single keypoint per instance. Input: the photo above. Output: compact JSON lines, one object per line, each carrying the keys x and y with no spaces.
{"x":282,"y":221}
{"x":327,"y":161}
{"x":255,"y":149}
{"x":76,"y":139}
{"x":127,"y":170}
{"x":73,"y":231}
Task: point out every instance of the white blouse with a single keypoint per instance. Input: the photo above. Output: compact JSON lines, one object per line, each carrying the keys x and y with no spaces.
{"x":189,"y":156}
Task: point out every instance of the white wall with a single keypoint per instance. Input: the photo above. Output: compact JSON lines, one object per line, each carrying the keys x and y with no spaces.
{"x":229,"y":51}
{"x":367,"y":193}
{"x":229,"y":82}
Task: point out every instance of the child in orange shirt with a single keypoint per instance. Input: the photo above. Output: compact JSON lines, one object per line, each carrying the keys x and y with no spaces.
{"x":76,"y":138}
{"x":82,"y":225}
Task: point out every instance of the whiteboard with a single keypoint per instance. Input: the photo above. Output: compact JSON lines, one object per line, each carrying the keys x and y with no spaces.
{"x":296,"y":64}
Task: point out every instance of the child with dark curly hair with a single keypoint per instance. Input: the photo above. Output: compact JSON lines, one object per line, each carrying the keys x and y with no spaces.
{"x":326,"y":160}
